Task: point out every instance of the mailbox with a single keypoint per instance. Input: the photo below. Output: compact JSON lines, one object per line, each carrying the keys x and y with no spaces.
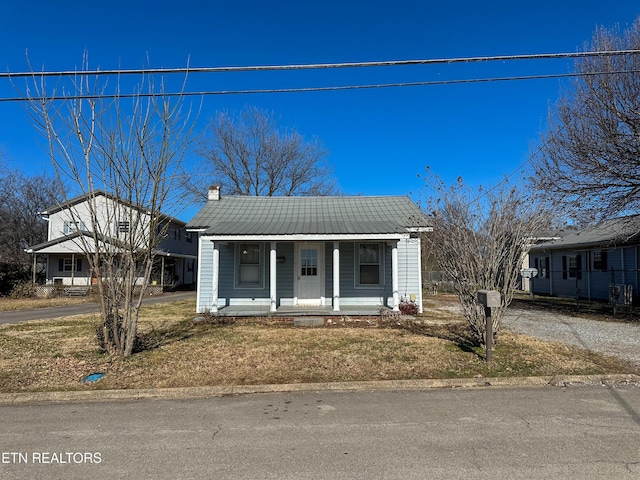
{"x":489,"y":298}
{"x":529,"y":272}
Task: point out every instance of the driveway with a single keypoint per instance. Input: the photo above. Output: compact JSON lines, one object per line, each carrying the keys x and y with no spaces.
{"x":55,"y":312}
{"x":620,"y":339}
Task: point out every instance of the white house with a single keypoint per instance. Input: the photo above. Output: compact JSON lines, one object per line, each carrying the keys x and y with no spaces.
{"x":326,"y":254}
{"x":64,"y":251}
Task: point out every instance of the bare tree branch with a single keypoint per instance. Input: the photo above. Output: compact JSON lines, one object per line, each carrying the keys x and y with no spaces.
{"x":479,"y":241}
{"x":132,"y":150}
{"x":590,"y":155}
{"x":249,"y":154}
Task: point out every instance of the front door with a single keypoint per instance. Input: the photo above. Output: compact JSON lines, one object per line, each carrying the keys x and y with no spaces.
{"x":310,"y":274}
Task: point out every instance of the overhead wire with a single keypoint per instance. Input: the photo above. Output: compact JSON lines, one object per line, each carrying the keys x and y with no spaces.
{"x":313,"y":66}
{"x":342,"y":65}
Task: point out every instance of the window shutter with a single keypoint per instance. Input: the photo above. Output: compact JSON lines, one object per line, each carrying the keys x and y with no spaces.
{"x":78,"y":265}
{"x":579,"y":267}
{"x":60,"y":265}
{"x":546,"y":264}
{"x":603,"y":259}
{"x":564,"y":267}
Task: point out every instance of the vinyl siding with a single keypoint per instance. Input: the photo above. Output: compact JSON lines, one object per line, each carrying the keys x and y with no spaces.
{"x":350,"y":292}
{"x":409,"y":273}
{"x":205,"y":276}
{"x":621,"y":269}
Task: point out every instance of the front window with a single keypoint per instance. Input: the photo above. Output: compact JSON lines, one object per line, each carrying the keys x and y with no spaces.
{"x":600,"y":260}
{"x":68,"y":265}
{"x":249,"y":265}
{"x":72,"y":227}
{"x":369,"y":264}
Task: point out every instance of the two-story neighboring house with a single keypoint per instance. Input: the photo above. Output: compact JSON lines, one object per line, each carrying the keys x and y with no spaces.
{"x":70,"y":238}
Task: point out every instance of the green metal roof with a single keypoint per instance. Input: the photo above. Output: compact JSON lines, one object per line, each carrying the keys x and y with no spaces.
{"x":244,"y":215}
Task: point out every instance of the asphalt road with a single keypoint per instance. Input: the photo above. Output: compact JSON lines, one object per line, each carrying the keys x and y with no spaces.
{"x":493,"y":433}
{"x":55,"y":312}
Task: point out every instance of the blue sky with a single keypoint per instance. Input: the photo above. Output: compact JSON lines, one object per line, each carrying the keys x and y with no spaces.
{"x":379,"y":140}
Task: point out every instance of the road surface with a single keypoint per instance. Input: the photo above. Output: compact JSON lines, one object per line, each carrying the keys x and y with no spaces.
{"x":18,"y":316}
{"x":493,"y":433}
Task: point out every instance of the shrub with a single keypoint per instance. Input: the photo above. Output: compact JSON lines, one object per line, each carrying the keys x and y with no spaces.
{"x":408,"y":307}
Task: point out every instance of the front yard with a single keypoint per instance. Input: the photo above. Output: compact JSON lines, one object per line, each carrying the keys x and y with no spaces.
{"x":176,"y":352}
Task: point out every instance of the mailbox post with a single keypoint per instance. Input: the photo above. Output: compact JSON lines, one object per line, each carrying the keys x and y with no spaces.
{"x":489,"y":299}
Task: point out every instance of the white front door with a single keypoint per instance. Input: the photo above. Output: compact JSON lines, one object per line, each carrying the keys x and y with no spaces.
{"x":309,"y":274}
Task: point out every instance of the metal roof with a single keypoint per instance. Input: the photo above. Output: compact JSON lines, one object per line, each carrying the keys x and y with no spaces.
{"x":245,"y":215}
{"x":616,"y":231}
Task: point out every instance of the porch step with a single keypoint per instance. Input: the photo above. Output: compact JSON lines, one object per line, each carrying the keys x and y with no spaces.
{"x":76,"y":291}
{"x":308,"y":321}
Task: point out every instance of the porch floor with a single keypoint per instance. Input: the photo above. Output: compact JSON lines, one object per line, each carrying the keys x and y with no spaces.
{"x":289,"y":311}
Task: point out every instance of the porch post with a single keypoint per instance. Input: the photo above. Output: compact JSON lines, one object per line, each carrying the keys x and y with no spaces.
{"x":336,"y":276}
{"x":394,"y":276}
{"x":214,"y":281}
{"x":33,"y":273}
{"x":162,"y":273}
{"x":73,"y":268}
{"x":272,"y":277}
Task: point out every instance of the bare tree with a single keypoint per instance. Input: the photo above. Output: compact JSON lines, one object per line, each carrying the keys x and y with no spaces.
{"x":479,"y":241}
{"x":132,"y":149}
{"x":590,"y":154}
{"x":21,"y":198}
{"x":249,"y":154}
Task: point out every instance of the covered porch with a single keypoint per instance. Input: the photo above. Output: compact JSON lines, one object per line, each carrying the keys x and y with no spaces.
{"x":302,"y":274}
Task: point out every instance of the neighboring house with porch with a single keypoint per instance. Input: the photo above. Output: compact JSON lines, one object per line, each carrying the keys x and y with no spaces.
{"x":586,"y":262}
{"x":71,"y":222}
{"x":260,"y":255}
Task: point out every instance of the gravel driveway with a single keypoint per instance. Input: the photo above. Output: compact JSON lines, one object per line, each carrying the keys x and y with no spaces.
{"x":612,"y":338}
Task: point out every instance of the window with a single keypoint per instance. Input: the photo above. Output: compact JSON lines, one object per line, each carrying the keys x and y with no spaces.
{"x":72,"y":227}
{"x":188,"y":237}
{"x":369,"y":264}
{"x":309,"y":262}
{"x":600,"y":260}
{"x":542,"y":265}
{"x":572,"y":267}
{"x":249,"y":265}
{"x":66,"y":265}
{"x":176,"y":234}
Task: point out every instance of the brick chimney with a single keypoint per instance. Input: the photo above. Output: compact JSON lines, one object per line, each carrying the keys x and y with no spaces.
{"x":214,"y":192}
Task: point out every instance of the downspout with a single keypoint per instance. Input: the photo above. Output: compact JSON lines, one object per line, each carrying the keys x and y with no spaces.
{"x":551,"y":273}
{"x":588,"y":265}
{"x":622,"y":267}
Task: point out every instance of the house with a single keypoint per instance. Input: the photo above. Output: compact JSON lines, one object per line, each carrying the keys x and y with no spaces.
{"x":330,"y":254}
{"x":536,"y":239}
{"x":64,"y":251}
{"x":586,"y":262}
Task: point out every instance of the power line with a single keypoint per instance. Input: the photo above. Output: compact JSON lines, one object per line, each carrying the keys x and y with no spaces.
{"x":309,"y":89}
{"x":312,"y":66}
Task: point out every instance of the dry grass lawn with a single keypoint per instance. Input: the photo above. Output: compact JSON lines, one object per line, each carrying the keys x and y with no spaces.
{"x":12,"y":304}
{"x":57,"y":354}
